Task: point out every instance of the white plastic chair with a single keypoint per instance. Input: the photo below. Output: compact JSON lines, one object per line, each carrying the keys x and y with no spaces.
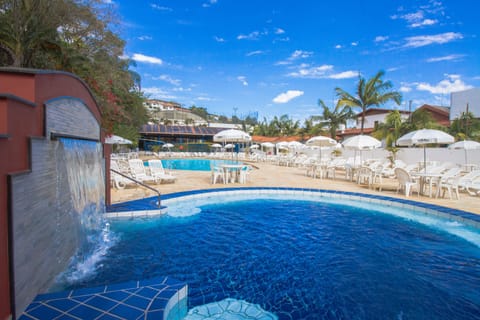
{"x":244,"y":173}
{"x":217,"y":173}
{"x":406,"y":182}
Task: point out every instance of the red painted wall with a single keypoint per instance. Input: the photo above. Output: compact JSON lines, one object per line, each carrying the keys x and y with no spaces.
{"x":22,"y":96}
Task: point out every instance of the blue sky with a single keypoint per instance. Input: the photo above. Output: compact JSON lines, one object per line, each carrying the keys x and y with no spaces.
{"x":280,"y":57}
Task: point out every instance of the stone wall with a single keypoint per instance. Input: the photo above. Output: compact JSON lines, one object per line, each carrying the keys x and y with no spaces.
{"x":45,"y":228}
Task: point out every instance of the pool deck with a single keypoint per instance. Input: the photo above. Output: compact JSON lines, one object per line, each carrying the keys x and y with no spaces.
{"x":270,"y":175}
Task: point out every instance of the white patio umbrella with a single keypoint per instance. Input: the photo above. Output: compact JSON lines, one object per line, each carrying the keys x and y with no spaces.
{"x":113,"y":139}
{"x":232,"y":135}
{"x":167,"y":146}
{"x":321,"y":142}
{"x":267,"y":145}
{"x":422,"y":138}
{"x":216,"y":145}
{"x":360,"y":143}
{"x":254,"y":146}
{"x":229,"y":146}
{"x":465,"y":145}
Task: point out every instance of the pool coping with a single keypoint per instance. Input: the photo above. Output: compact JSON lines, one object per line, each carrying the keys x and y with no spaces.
{"x":136,"y":208}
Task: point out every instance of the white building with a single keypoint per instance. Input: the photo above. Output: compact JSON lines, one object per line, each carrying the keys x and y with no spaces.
{"x":459,"y":101}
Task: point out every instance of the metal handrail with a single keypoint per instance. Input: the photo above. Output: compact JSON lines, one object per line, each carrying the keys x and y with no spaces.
{"x":140,"y":183}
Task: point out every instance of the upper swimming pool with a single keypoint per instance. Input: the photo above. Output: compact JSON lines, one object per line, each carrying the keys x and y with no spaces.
{"x":303,"y":254}
{"x":193,"y":164}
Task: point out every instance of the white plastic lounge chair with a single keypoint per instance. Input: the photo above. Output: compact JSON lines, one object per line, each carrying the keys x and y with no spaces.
{"x":449,"y":182}
{"x":138,"y":171}
{"x":405,"y":181}
{"x":118,"y":181}
{"x":158,"y":172}
{"x":468,"y":181}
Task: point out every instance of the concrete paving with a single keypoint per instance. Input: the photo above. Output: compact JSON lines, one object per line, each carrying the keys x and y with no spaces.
{"x":269,"y":175}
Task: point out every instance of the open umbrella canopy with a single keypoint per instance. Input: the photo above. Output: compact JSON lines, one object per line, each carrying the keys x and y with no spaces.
{"x":254,"y":146}
{"x":361,"y":142}
{"x":267,"y":145}
{"x":232,"y":135}
{"x":321,"y":141}
{"x":113,"y":139}
{"x":423,"y":137}
{"x":229,"y":146}
{"x":216,"y":145}
{"x":465,"y":145}
{"x":167,"y":145}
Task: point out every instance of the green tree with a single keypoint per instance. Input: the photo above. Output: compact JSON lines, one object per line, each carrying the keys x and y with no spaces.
{"x":74,"y":36}
{"x":465,"y":127}
{"x":336,"y":117}
{"x":200,"y":111}
{"x":372,"y":92}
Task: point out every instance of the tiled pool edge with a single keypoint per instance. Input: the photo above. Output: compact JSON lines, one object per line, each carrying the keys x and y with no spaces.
{"x":159,"y":298}
{"x":131,"y":209}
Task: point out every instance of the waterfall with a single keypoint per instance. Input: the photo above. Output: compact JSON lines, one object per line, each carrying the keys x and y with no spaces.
{"x":80,"y":169}
{"x":86,"y":179}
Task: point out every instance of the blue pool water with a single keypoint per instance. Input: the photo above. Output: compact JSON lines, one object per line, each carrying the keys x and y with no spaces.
{"x":193,"y":164}
{"x":303,"y":259}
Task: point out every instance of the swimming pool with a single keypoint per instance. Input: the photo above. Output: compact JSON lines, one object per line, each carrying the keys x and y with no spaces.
{"x":304,"y":255}
{"x":193,"y":164}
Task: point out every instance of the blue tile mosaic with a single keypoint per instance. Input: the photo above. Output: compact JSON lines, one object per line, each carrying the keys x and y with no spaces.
{"x":130,"y":300}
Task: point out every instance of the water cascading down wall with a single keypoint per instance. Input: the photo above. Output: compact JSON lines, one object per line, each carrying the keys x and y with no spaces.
{"x":54,"y":203}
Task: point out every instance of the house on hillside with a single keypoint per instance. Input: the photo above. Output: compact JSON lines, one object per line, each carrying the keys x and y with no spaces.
{"x":373,"y":117}
{"x":440,"y":115}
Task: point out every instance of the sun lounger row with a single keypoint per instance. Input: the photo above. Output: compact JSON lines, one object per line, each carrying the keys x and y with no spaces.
{"x":135,"y":168}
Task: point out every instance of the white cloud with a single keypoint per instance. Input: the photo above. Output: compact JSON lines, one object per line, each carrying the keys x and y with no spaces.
{"x":203,"y":98}
{"x":160,"y":8}
{"x":405,"y":89}
{"x":251,"y":36}
{"x":255,"y":53}
{"x":287,"y":96}
{"x":209,"y":3}
{"x":446,"y":58}
{"x":416,"y":19}
{"x":312,"y":72}
{"x":144,"y":38}
{"x":243,"y":80}
{"x":279,"y":31}
{"x":338,"y":46}
{"x":421,"y":41}
{"x":297,"y":54}
{"x":181,"y":89}
{"x":143,"y":58}
{"x":453,"y":83}
{"x":381,"y":38}
{"x":426,"y":22}
{"x":167,"y":78}
{"x":344,"y":75}
{"x":158,"y":93}
{"x":219,"y":39}
{"x":354,"y":44}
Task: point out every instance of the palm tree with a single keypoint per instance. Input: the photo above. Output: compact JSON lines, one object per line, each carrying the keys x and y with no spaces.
{"x":373,"y":92}
{"x":339,"y":115}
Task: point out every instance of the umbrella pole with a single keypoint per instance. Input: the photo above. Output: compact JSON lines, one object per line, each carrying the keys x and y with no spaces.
{"x":466,"y":156}
{"x":425,"y":158}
